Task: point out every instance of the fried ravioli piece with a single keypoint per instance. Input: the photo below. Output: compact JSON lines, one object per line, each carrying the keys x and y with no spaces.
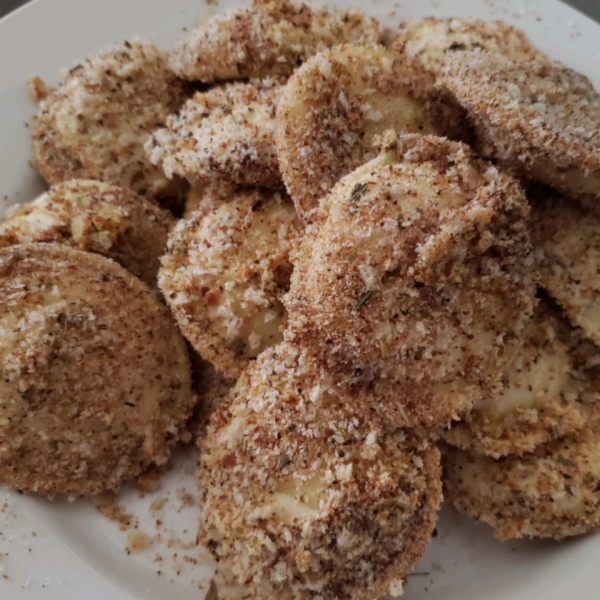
{"x":429,"y":40}
{"x":95,"y":122}
{"x":225,"y":133}
{"x":566,"y":236}
{"x":400,"y":287}
{"x":553,"y":492}
{"x":270,"y":38}
{"x":96,"y":217}
{"x":334,"y":105}
{"x":95,"y":381}
{"x":224,"y":273}
{"x":539,"y":401}
{"x":301,"y":500}
{"x":540,"y":120}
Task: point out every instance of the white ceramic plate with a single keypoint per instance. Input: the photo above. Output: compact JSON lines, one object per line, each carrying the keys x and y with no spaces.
{"x":61,"y":550}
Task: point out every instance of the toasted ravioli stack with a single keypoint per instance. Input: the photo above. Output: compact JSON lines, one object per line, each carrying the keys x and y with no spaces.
{"x":385,"y":268}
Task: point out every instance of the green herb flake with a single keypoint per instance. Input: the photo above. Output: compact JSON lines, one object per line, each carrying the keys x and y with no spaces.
{"x":362,"y":300}
{"x":284,"y":461}
{"x":360,"y":189}
{"x":565,"y":461}
{"x":350,"y":257}
{"x":237,"y":345}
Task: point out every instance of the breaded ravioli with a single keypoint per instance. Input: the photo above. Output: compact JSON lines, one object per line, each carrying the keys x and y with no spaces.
{"x":95,"y":381}
{"x":566,"y":236}
{"x":553,"y":492}
{"x":272,"y":37}
{"x":225,"y":133}
{"x":540,"y":120}
{"x":539,"y":399}
{"x":400,"y":288}
{"x":334,"y":105}
{"x":429,"y":40}
{"x":95,"y":122}
{"x":224,"y":273}
{"x":96,"y":217}
{"x":301,"y":500}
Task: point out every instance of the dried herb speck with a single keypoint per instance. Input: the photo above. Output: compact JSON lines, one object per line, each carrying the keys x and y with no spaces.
{"x":360,"y":189}
{"x":565,"y":461}
{"x":284,"y":461}
{"x":362,"y":300}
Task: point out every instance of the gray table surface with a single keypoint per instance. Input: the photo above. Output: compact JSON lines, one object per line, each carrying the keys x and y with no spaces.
{"x":589,"y":7}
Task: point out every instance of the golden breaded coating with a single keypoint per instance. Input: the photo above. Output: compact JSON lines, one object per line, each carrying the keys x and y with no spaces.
{"x":553,"y":492}
{"x":334,"y":105}
{"x":224,"y":273}
{"x":566,"y":236}
{"x":431,"y":39}
{"x":95,"y":381}
{"x":539,"y":400}
{"x":540,"y":120}
{"x":400,"y":288}
{"x":270,"y":38}
{"x":301,"y":500}
{"x":204,"y":197}
{"x":212,"y":389}
{"x":96,"y":217}
{"x":225,"y":133}
{"x":95,"y":122}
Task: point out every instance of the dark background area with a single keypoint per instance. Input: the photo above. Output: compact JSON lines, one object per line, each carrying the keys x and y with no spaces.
{"x":589,"y":7}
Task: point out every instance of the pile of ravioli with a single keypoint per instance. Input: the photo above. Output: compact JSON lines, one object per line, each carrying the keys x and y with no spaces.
{"x":382,"y":249}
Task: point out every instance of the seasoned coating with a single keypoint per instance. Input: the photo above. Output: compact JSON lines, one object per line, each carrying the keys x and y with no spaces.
{"x":539,"y":400}
{"x":540,"y":120}
{"x":94,"y":123}
{"x":96,"y":217}
{"x":224,"y":273}
{"x":566,"y":236}
{"x":553,"y":492}
{"x":400,"y":289}
{"x":271,"y":38}
{"x":334,"y":105}
{"x":95,"y":381}
{"x":430,"y":39}
{"x":212,"y":389}
{"x":225,"y":133}
{"x":301,"y":500}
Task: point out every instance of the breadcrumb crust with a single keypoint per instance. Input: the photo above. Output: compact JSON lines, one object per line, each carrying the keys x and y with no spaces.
{"x":97,"y":217}
{"x":94,"y":123}
{"x":300,"y":500}
{"x":399,"y":287}
{"x":337,"y":102}
{"x":224,"y":273}
{"x":95,"y":384}
{"x":271,"y":38}
{"x":540,"y":120}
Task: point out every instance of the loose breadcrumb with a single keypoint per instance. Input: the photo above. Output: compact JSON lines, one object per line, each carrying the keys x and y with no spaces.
{"x":224,"y":273}
{"x":271,"y":38}
{"x":225,"y":133}
{"x":429,"y":40}
{"x":94,"y":123}
{"x":539,"y":400}
{"x":540,"y":120}
{"x":97,"y":217}
{"x":337,"y":102}
{"x":96,"y":382}
{"x":301,"y":500}
{"x":400,"y":286}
